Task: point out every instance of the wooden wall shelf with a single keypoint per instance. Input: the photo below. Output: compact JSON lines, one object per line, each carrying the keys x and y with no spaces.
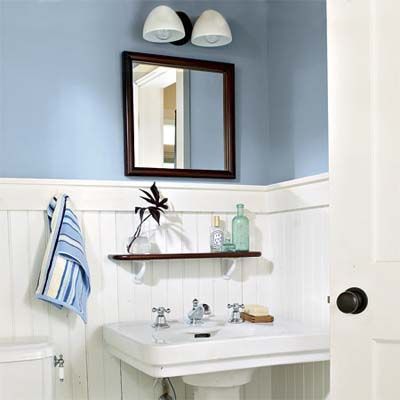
{"x":141,"y":259}
{"x":180,"y":256}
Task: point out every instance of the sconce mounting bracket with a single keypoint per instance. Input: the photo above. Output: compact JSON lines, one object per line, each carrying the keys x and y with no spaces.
{"x":187,"y":24}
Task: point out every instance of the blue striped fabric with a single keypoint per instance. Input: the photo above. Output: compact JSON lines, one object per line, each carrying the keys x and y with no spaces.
{"x":64,"y":279}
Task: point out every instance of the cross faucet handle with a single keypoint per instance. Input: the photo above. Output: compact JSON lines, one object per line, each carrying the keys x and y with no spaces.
{"x":236,"y":307}
{"x":161,"y":310}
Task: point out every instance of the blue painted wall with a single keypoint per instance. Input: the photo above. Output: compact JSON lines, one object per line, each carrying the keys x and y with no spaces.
{"x":297,"y":89}
{"x":60,"y":85}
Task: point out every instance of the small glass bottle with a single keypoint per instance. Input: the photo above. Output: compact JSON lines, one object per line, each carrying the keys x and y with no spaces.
{"x":216,"y":235}
{"x":228,"y":246}
{"x":240,"y":230}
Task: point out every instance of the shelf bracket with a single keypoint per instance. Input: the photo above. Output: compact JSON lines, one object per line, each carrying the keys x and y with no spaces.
{"x":230,"y":267}
{"x":140,"y":269}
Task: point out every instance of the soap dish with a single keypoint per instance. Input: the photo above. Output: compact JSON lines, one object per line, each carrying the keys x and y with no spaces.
{"x":261,"y":319}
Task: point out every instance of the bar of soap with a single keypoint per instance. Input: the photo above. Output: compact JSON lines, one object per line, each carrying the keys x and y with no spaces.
{"x":256,"y":310}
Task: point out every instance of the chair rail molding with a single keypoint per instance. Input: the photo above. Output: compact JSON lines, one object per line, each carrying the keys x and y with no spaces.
{"x":34,"y":194}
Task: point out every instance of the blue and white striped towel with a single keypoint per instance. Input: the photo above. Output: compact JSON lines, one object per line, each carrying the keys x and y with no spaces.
{"x":64,"y":279}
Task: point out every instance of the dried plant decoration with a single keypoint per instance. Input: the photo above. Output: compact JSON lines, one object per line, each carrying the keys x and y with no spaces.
{"x":158,"y":205}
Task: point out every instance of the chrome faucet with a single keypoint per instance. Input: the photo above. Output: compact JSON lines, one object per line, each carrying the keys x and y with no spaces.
{"x":196,"y":314}
{"x":235,"y":317}
{"x":161,"y":319}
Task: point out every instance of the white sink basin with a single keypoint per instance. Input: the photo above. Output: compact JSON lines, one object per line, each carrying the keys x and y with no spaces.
{"x":175,"y":352}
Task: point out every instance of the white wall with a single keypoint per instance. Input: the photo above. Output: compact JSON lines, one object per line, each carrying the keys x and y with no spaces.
{"x":289,"y":225}
{"x":149,"y":130}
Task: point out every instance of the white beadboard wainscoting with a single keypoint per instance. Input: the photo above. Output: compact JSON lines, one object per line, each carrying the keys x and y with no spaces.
{"x":289,"y":225}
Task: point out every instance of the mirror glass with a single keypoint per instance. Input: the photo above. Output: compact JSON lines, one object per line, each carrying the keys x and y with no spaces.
{"x":178,"y":117}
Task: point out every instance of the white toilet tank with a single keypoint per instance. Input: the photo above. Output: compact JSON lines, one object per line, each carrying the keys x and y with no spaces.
{"x":26,"y":369}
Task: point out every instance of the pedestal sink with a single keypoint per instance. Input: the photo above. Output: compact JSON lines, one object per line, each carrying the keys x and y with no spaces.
{"x":217,"y":365}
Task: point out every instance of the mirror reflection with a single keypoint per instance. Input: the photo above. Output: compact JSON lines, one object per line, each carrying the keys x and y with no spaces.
{"x":178,"y":117}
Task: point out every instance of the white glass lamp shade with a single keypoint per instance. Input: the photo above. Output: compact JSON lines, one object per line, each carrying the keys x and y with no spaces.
{"x":163,"y":25}
{"x":211,"y":30}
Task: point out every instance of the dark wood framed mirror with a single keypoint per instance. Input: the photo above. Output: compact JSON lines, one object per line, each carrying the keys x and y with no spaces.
{"x":179,"y":116}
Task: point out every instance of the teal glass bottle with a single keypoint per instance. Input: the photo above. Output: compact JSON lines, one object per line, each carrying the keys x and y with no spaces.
{"x":240,"y":230}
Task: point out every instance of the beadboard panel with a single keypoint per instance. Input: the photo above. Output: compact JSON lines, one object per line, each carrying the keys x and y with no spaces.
{"x":291,"y":277}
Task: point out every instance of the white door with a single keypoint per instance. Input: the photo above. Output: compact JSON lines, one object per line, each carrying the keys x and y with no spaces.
{"x":364,"y":128}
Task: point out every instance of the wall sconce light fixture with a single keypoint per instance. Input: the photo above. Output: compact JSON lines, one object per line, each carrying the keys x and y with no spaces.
{"x":211,"y":30}
{"x":164,"y":25}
